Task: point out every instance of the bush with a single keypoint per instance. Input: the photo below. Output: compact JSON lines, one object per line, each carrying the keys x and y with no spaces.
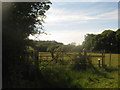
{"x":82,"y":62}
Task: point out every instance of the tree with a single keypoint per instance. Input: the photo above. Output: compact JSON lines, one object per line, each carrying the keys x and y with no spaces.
{"x":42,"y":46}
{"x":118,"y":41}
{"x":19,"y":21}
{"x":78,"y":48}
{"x":88,"y":44}
{"x":107,"y":41}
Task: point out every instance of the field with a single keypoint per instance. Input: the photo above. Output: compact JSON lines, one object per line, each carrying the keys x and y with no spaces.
{"x":114,"y":58}
{"x":63,"y":76}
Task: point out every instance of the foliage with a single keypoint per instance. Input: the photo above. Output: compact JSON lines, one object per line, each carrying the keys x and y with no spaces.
{"x":60,"y":77}
{"x":19,"y":21}
{"x":82,"y":62}
{"x":42,"y":46}
{"x":107,"y":40}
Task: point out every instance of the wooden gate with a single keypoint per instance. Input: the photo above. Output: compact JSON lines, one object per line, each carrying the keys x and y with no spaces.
{"x":47,"y":58}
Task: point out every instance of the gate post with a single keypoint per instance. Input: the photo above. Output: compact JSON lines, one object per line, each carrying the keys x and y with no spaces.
{"x":110,"y":60}
{"x":85,"y":62}
{"x":36,"y":59}
{"x":98,"y":62}
{"x":103,"y":59}
{"x":85,"y":54}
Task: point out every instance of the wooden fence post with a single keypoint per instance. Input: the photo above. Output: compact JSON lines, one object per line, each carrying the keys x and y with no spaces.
{"x":36,"y":59}
{"x":103,"y":59}
{"x":99,"y":63}
{"x":85,"y":62}
{"x":40,"y":58}
{"x":110,"y":60}
{"x":90,"y":60}
{"x":85,"y":54}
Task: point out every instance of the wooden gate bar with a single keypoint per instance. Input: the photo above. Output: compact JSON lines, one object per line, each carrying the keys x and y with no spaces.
{"x":96,"y":56}
{"x":47,"y":57}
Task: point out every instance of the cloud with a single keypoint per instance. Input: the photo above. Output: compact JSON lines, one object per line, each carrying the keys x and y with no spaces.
{"x":113,"y":15}
{"x":61,"y":16}
{"x":65,"y":36}
{"x":55,"y":16}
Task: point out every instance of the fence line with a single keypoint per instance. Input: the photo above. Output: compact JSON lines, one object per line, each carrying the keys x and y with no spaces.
{"x":47,"y":58}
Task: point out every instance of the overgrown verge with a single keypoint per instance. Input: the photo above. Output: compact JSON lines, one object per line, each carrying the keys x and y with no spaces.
{"x":80,"y":75}
{"x":61,"y":77}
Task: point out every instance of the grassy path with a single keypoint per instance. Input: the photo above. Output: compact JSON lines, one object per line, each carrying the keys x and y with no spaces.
{"x":110,"y":81}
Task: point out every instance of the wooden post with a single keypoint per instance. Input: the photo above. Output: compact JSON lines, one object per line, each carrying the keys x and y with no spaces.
{"x":32,"y":54}
{"x":36,"y":59}
{"x":85,"y":54}
{"x":40,"y":59}
{"x":103,"y":60}
{"x":90,"y":59}
{"x":85,"y":61}
{"x":98,"y":62}
{"x":110,"y":60}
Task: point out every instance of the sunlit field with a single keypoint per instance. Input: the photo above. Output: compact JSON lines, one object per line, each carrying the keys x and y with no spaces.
{"x":114,"y":58}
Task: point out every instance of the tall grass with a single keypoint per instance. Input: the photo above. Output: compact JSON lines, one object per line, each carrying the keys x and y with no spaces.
{"x":67,"y":77}
{"x":80,"y":74}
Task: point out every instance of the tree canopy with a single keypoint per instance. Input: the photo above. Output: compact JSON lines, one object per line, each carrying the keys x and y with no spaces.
{"x":108,"y":40}
{"x":20,"y":19}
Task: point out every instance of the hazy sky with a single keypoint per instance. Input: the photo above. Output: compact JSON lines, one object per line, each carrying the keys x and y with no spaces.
{"x":68,"y":22}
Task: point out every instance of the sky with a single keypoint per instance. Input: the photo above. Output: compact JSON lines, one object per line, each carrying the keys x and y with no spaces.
{"x":69,"y":22}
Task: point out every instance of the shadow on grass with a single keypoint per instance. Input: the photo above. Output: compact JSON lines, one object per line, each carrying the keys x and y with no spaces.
{"x":111,"y":69}
{"x":59,"y":77}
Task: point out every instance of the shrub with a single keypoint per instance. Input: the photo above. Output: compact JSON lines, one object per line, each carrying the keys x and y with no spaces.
{"x":82,"y":62}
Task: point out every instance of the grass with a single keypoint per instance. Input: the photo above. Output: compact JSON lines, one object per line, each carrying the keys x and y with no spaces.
{"x":114,"y":59}
{"x":111,"y":81}
{"x":64,"y":76}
